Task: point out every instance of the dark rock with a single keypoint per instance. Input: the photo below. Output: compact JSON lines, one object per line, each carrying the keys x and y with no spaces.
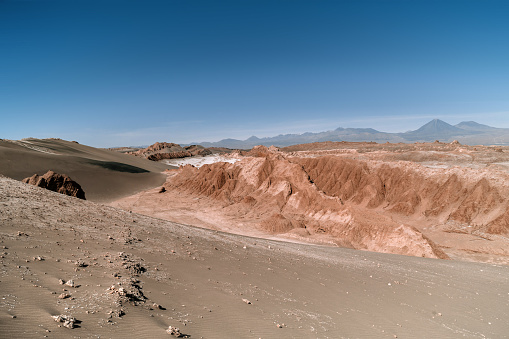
{"x":60,"y":183}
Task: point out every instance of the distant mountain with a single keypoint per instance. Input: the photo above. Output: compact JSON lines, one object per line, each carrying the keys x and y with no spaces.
{"x":474,"y":126}
{"x":358,"y":130}
{"x":437,"y":126}
{"x":436,"y":129}
{"x":467,"y":132}
{"x":340,"y":134}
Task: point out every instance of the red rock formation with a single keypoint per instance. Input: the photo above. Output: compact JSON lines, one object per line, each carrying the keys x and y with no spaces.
{"x":284,"y":196}
{"x":277,"y":223}
{"x":165,"y":150}
{"x":198,"y":150}
{"x":159,"y":146}
{"x":407,"y":192}
{"x":500,"y":225}
{"x":60,"y":183}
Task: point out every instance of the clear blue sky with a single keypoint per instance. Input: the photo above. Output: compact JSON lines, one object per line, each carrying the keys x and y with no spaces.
{"x":114,"y":73}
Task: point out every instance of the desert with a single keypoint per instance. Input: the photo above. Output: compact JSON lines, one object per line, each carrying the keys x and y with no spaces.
{"x":224,"y":251}
{"x":254,"y":169}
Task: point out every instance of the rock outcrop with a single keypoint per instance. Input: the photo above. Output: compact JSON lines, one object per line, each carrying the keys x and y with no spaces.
{"x":198,"y":150}
{"x":288,"y":195}
{"x":166,"y":150}
{"x":406,"y":191}
{"x":60,"y":183}
{"x":169,"y":155}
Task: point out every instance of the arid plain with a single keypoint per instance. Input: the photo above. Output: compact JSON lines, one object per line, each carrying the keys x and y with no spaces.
{"x":281,"y":243}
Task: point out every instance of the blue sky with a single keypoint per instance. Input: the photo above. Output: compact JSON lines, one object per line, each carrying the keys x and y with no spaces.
{"x":115,"y":73}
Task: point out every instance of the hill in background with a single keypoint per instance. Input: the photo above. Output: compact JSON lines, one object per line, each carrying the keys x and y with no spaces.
{"x":467,"y":132}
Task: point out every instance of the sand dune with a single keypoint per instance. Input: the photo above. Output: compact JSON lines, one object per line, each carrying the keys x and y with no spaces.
{"x":200,"y":279}
{"x":104,"y":175}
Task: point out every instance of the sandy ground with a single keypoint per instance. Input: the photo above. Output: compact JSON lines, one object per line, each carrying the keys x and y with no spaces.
{"x":104,"y":175}
{"x":196,"y":279}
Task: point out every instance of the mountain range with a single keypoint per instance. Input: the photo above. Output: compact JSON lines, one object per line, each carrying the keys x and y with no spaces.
{"x":467,"y":132}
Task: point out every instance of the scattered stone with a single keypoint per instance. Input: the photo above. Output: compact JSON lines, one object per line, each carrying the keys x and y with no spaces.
{"x":133,"y":266}
{"x":64,"y":296}
{"x":61,"y":281}
{"x":246,"y":301}
{"x":157,"y":306}
{"x":70,"y":283}
{"x":38,"y":258}
{"x":162,"y":190}
{"x":131,"y":292}
{"x":80,"y":263}
{"x":67,"y":320}
{"x":174,"y":331}
{"x":116,"y":313}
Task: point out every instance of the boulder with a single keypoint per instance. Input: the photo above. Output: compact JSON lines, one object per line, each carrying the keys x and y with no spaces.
{"x":60,"y":183}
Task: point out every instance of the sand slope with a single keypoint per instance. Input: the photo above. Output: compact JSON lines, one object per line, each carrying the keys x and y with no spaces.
{"x":104,"y":175}
{"x":200,"y":277}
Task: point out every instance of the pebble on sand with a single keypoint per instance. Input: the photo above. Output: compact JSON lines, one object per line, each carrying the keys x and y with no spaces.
{"x":174,"y":331}
{"x":67,"y":320}
{"x":70,"y":283}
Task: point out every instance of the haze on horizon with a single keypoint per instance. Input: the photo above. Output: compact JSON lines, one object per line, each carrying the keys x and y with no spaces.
{"x":109,"y":73}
